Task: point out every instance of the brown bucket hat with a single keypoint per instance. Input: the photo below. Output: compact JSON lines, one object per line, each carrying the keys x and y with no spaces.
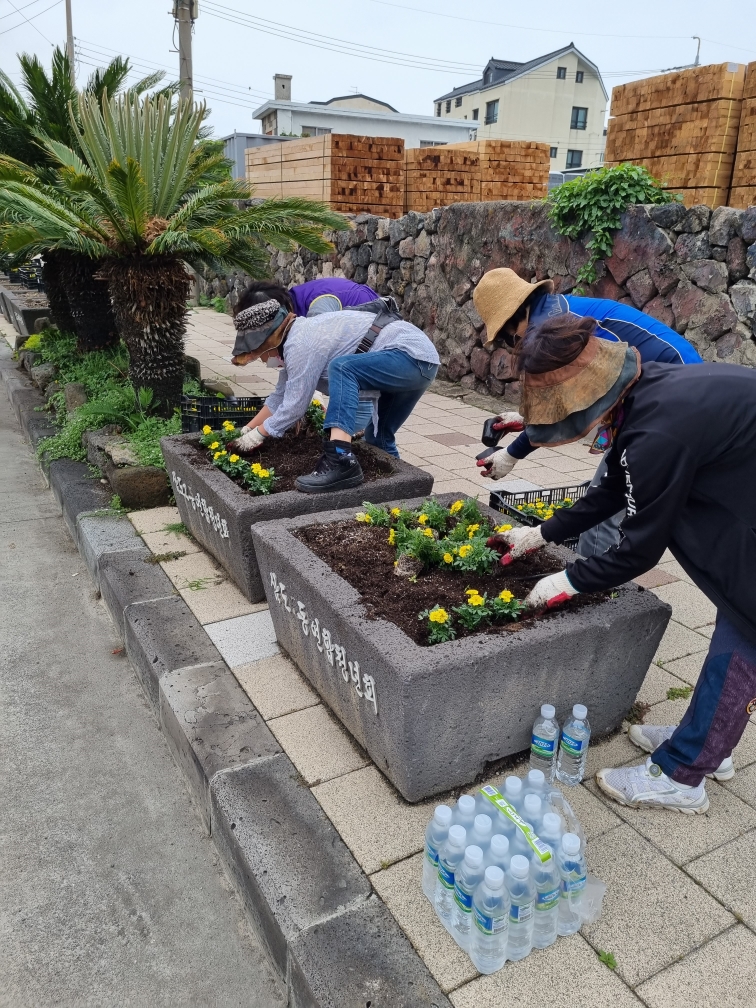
{"x":551,"y":396}
{"x":499,"y":294}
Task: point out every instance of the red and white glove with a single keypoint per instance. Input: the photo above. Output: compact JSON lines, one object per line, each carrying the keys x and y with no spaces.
{"x":516,"y":543}
{"x":250,"y":440}
{"x":498,"y":465}
{"x":551,"y":591}
{"x":509,"y":422}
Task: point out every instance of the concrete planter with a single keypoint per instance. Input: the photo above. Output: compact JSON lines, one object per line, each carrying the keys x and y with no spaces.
{"x":22,"y":317}
{"x":433,"y":717}
{"x":220,"y":515}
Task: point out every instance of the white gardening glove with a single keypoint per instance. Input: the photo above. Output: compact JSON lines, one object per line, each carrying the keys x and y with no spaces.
{"x":250,"y":440}
{"x":516,"y":543}
{"x":509,"y":422}
{"x":498,"y":465}
{"x":551,"y":591}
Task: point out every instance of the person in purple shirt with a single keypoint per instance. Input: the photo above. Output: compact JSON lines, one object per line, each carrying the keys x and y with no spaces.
{"x":326,"y":294}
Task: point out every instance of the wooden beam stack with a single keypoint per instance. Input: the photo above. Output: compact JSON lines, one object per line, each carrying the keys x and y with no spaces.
{"x":353,"y":174}
{"x":478,"y":170}
{"x":683,"y":127}
{"x":743,"y":190}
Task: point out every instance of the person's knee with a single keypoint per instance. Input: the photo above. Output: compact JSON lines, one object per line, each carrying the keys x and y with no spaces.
{"x":338,"y":367}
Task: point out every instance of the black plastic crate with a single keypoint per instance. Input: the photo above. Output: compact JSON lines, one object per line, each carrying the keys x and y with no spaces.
{"x":196,"y":411}
{"x":506,"y":503}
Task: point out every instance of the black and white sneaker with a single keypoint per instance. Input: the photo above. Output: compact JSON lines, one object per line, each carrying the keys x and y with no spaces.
{"x":337,"y":469}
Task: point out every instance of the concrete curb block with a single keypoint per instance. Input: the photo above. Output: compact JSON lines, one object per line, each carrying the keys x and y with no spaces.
{"x":332,"y":941}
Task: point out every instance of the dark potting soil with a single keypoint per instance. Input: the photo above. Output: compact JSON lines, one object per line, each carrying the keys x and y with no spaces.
{"x":296,"y":455}
{"x":362,"y":555}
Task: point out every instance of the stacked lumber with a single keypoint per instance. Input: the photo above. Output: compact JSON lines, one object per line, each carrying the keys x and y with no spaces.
{"x":475,"y":170}
{"x":743,"y":190}
{"x":353,"y":174}
{"x":682,"y":127}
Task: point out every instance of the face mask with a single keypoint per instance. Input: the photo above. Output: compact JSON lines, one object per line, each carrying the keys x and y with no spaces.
{"x":274,"y":362}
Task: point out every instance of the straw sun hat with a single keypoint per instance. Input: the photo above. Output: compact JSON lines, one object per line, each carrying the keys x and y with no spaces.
{"x":499,"y":294}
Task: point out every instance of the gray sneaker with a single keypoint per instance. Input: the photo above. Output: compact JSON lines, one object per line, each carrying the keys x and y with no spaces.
{"x":650,"y":737}
{"x":647,"y":786}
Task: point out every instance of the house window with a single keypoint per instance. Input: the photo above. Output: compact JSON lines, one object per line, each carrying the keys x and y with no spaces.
{"x":311,"y":131}
{"x":578,"y":76}
{"x":553,"y":151}
{"x":438,"y":108}
{"x":579,"y":118}
{"x":458,"y":102}
{"x":448,"y":106}
{"x":432,"y":143}
{"x":601,"y":158}
{"x":492,"y":112}
{"x":475,"y":113}
{"x":561,"y":73}
{"x":574,"y":159}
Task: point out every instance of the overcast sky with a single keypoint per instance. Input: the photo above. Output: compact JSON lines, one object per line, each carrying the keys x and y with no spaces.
{"x":420,"y":48}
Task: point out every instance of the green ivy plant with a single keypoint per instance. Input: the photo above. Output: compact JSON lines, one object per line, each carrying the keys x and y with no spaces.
{"x":594,"y":204}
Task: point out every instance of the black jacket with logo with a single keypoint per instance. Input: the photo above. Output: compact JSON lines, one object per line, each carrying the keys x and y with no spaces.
{"x":684,"y":467}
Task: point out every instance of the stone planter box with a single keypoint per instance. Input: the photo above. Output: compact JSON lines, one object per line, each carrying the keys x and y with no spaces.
{"x":220,"y":515}
{"x":432,"y":718}
{"x":22,"y":317}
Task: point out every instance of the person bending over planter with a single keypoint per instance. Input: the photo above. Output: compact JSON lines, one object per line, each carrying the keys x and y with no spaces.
{"x":512,"y":307}
{"x":349,"y":355}
{"x":326,"y":294}
{"x":682,"y":461}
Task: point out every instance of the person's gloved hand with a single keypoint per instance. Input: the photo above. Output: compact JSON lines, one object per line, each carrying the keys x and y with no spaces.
{"x":509,"y":422}
{"x":249,"y":440}
{"x":516,"y":543}
{"x":498,"y":465}
{"x":551,"y":591}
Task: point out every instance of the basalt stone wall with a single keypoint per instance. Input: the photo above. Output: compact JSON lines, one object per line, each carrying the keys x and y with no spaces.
{"x":692,"y":268}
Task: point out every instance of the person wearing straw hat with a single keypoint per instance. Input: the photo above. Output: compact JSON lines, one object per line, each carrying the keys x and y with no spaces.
{"x":682,"y":461}
{"x":510,"y":307}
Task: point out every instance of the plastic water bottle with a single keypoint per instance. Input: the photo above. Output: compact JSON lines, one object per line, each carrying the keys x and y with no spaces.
{"x":533,"y":812}
{"x":463,"y":813}
{"x":572,"y":873}
{"x":498,"y":853}
{"x":449,"y":858}
{"x":547,"y":882}
{"x":467,"y":878}
{"x":522,"y":895}
{"x":573,"y":748}
{"x":544,"y":741}
{"x":513,"y":792}
{"x":551,"y":832}
{"x":481,"y":832}
{"x":488,"y":939}
{"x":435,"y":835}
{"x":520,"y":845}
{"x":535,"y":783}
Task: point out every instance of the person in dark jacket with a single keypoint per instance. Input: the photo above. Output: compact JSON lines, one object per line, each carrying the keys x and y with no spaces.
{"x":512,"y":307}
{"x":682,"y":461}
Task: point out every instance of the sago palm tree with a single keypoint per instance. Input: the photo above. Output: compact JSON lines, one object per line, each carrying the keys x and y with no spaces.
{"x":46,"y":106}
{"x":135,"y":200}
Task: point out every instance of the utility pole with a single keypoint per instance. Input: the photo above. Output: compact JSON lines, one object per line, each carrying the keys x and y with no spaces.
{"x":70,"y":40}
{"x":184,"y":12}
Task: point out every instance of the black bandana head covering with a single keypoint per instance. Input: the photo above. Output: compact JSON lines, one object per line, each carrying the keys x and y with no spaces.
{"x":255,"y":324}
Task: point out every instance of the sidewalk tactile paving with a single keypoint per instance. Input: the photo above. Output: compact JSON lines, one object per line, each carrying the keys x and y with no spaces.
{"x":317,"y":745}
{"x":244,"y":639}
{"x":276,"y":686}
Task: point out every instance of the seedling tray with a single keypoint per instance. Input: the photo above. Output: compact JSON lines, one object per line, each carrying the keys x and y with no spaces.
{"x":196,"y":411}
{"x":506,"y":503}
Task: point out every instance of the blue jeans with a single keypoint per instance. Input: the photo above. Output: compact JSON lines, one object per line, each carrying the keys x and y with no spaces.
{"x":399,"y":378}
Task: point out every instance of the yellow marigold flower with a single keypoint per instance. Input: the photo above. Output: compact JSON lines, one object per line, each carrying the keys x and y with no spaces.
{"x":256,"y":468}
{"x":207,"y":430}
{"x":396,"y":512}
{"x":448,"y":558}
{"x":464,"y":550}
{"x":438,"y":616}
{"x":218,"y":455}
{"x":264,"y":473}
{"x":314,"y":403}
{"x":539,"y":503}
{"x":567,"y":500}
{"x":233,"y":458}
{"x":422,"y":519}
{"x":476,"y":600}
{"x":456,"y":506}
{"x":502,"y":528}
{"x":228,"y":425}
{"x":362,"y":517}
{"x":428,"y":533}
{"x":392,"y":537}
{"x":506,"y":596}
{"x":471,"y":591}
{"x":473,"y":528}
{"x":214,"y":445}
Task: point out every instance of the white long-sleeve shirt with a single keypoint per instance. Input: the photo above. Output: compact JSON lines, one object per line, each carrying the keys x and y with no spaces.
{"x":311,"y":345}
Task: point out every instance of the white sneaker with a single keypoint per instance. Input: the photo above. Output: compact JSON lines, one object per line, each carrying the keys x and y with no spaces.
{"x":647,"y":786}
{"x":650,"y":737}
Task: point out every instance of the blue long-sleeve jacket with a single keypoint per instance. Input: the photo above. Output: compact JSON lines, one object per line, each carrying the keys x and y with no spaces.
{"x":617,"y":322}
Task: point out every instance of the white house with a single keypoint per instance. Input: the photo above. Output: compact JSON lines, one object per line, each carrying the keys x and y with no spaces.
{"x":558,"y":99}
{"x":358,"y":114}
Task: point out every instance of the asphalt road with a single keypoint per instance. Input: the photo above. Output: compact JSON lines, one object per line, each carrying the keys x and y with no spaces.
{"x":110,"y":894}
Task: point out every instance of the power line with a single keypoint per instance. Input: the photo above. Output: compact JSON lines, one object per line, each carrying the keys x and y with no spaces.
{"x":29,"y":20}
{"x":19,"y":9}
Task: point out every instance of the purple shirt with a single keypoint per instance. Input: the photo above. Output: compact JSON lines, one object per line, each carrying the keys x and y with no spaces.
{"x":348,"y":292}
